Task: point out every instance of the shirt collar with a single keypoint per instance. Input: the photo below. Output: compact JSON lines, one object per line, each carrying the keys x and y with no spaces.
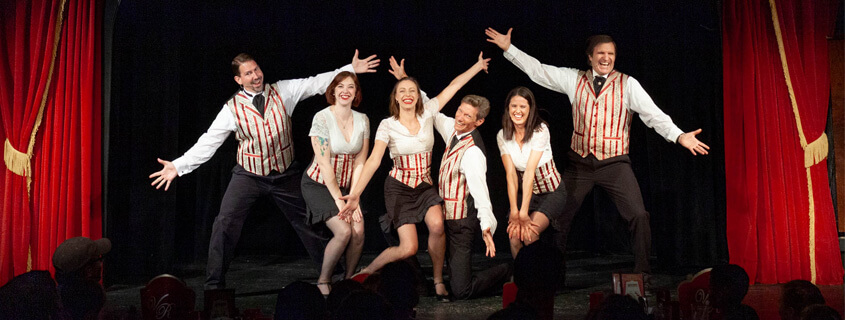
{"x":250,"y":94}
{"x":595,"y":74}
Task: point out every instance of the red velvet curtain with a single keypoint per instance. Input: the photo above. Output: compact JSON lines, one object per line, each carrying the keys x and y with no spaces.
{"x":780,"y":219}
{"x":66,"y":190}
{"x":26,"y":51}
{"x":64,"y":197}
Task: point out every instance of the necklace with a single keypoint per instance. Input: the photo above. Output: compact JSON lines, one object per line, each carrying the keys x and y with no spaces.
{"x":343,"y":123}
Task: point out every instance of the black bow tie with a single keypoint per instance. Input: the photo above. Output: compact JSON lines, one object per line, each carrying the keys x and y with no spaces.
{"x":598,"y":83}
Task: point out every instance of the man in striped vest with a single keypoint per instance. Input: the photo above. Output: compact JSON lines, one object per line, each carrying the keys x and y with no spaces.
{"x":603,"y":102}
{"x":259,"y":115}
{"x":463,"y":187}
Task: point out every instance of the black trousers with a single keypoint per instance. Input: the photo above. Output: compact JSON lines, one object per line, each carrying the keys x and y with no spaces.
{"x":617,"y":178}
{"x":460,"y":234}
{"x":244,"y":189}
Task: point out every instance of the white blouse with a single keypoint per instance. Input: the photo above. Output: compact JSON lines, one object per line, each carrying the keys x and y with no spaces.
{"x":400,"y":141}
{"x":540,"y":141}
{"x":324,"y":125}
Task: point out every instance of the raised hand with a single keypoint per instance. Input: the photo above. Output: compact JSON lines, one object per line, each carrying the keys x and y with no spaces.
{"x":484,"y":63}
{"x":397,"y":69}
{"x":165,"y":175}
{"x":488,"y":241}
{"x":366,"y":65}
{"x":689,"y":141}
{"x":503,"y":41}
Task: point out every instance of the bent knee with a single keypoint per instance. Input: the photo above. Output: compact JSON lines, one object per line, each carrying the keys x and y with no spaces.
{"x":343,"y":234}
{"x":407,"y":251}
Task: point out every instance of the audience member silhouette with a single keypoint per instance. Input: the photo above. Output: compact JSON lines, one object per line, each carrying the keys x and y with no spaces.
{"x":820,"y":312}
{"x":364,"y":305}
{"x":398,"y":286}
{"x":31,"y":295}
{"x":300,"y":300}
{"x":797,"y":295}
{"x":79,"y":267}
{"x":619,"y":307}
{"x":341,"y":290}
{"x":728,"y":286}
{"x":536,"y":272}
{"x":515,"y":311}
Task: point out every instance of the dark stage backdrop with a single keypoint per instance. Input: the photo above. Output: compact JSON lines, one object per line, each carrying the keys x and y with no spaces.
{"x":171,"y":76}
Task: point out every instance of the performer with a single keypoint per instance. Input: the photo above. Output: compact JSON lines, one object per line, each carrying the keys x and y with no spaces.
{"x":603,"y":101}
{"x":259,"y":115}
{"x":340,"y":138}
{"x":466,"y":201}
{"x":408,"y":191}
{"x":525,"y":145}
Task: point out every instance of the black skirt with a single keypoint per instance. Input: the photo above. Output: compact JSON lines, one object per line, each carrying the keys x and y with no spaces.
{"x":406,"y":205}
{"x":549,"y":203}
{"x":318,"y":200}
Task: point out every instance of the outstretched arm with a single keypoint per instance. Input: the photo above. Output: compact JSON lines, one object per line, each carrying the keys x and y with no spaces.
{"x":503,"y":41}
{"x":689,"y":141}
{"x":165,"y":175}
{"x":366,"y":65}
{"x":553,"y":78}
{"x":462,"y":79}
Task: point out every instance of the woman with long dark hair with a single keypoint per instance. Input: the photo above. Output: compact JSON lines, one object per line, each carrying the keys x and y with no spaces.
{"x":535,"y":191}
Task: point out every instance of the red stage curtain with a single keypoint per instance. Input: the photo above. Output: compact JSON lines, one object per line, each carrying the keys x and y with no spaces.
{"x":27,"y":43}
{"x":780,"y":219}
{"x":66,"y":186}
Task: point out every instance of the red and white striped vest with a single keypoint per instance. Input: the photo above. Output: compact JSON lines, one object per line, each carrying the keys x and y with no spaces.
{"x":452,"y":183}
{"x":600,"y":121}
{"x":546,"y":178}
{"x":342,"y":164}
{"x":264,"y":143}
{"x":412,"y":169}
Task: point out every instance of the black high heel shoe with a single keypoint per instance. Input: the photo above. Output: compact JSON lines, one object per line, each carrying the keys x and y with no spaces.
{"x":441,"y":297}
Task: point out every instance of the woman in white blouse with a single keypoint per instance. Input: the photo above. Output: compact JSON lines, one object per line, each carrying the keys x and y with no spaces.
{"x":408,"y":192}
{"x":524,"y":143}
{"x":340,"y":138}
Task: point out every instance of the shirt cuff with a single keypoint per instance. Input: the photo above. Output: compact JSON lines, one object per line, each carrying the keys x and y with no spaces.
{"x":674,"y":134}
{"x":181,"y":166}
{"x":487,"y":219}
{"x":512,"y":52}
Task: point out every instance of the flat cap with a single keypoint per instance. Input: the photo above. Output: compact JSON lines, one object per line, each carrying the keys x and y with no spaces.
{"x":75,"y":252}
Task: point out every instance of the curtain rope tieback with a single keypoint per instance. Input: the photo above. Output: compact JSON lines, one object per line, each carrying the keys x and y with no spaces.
{"x":16,"y":161}
{"x":816,"y":151}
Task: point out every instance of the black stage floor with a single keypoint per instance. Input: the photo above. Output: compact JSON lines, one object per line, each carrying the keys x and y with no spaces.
{"x":257,"y":278}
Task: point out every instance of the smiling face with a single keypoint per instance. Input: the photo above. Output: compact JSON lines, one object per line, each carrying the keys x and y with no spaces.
{"x":344,"y":92}
{"x":251,"y":77}
{"x":466,"y":118}
{"x":603,"y":57}
{"x":406,"y":94}
{"x":519,"y":110}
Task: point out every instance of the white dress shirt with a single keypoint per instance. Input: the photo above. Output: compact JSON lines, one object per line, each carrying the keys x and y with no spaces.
{"x":474,"y":168}
{"x":292,"y":92}
{"x":565,"y":80}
